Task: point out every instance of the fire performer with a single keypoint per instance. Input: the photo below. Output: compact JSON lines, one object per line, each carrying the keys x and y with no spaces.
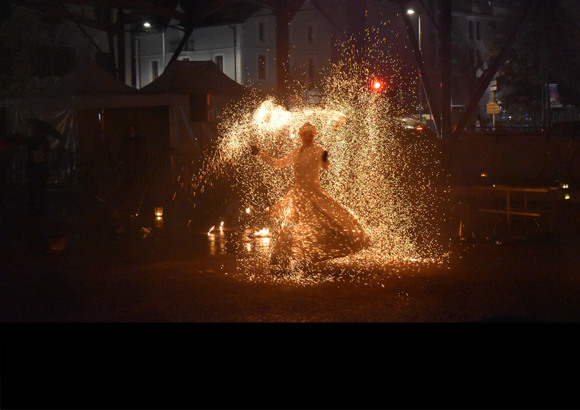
{"x":315,"y":227}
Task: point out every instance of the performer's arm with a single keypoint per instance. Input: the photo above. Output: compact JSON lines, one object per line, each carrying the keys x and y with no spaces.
{"x":340,"y":119}
{"x":276,"y":163}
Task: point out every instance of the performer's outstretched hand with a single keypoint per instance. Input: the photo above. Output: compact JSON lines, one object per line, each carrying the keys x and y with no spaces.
{"x":339,"y":121}
{"x":254,"y":149}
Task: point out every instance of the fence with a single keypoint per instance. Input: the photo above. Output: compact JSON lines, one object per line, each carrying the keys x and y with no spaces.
{"x":103,"y":176}
{"x":514,"y":157}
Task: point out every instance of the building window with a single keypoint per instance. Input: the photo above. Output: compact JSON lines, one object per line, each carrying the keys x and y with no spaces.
{"x":219,"y":61}
{"x":154,"y":69}
{"x":262,"y":67}
{"x":310,"y":35}
{"x":471,"y":30}
{"x":261,"y":33}
{"x":310,"y":72}
{"x":477,"y":32}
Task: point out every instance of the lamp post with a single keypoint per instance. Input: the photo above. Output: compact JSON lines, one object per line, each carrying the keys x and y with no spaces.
{"x":420,"y":104}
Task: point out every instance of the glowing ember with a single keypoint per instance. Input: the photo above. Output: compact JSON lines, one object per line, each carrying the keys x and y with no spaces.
{"x":262,"y":233}
{"x":384,"y":178}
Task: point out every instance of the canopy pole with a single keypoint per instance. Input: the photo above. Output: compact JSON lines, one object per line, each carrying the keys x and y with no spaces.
{"x":182,"y":43}
{"x":171,"y":138}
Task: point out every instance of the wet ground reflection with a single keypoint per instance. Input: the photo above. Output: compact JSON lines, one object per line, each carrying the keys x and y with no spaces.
{"x":253,"y":251}
{"x":222,"y":241}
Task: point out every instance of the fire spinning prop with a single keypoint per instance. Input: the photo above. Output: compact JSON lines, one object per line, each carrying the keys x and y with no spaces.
{"x":385,"y":180}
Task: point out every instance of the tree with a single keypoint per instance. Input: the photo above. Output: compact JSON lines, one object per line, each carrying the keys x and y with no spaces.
{"x":545,"y":51}
{"x":36,"y":49}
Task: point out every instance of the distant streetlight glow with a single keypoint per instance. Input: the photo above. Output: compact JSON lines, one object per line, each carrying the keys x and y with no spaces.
{"x":147,"y":25}
{"x":410,"y":11}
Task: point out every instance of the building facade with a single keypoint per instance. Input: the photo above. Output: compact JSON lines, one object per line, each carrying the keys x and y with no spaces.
{"x":245,"y":52}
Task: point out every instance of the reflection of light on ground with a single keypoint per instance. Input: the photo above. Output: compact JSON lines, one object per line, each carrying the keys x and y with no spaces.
{"x":263,"y":243}
{"x":217,"y":243}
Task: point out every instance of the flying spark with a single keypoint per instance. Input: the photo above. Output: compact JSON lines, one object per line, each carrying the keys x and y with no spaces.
{"x":386,"y":178}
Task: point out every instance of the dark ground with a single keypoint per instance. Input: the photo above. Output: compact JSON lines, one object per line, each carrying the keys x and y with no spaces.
{"x":172,"y":276}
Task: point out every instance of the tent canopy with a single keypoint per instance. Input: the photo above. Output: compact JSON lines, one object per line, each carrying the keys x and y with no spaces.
{"x":72,"y":105}
{"x":87,"y":79}
{"x":194,"y":78}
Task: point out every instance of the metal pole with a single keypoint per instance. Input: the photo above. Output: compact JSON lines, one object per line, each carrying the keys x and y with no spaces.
{"x":282,"y":51}
{"x":121,"y":45}
{"x":424,"y":75}
{"x":138,"y":63}
{"x":420,"y":77}
{"x":445,"y":25}
{"x":163,"y":37}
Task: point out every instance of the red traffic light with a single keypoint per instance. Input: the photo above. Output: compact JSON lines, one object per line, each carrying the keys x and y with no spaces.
{"x":377,"y":85}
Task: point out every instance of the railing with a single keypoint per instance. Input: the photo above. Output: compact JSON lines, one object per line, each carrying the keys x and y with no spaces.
{"x":524,"y":211}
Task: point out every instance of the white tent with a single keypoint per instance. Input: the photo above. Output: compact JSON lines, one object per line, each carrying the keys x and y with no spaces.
{"x":207,"y":88}
{"x":79,"y":106}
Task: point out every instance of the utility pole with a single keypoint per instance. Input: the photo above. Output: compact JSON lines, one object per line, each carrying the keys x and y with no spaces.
{"x":284,"y":12}
{"x":283,"y":18}
{"x":121,"y":45}
{"x":445,"y":26}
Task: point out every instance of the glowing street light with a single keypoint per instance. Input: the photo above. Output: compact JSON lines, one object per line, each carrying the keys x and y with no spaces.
{"x":147,"y":24}
{"x":410,"y":12}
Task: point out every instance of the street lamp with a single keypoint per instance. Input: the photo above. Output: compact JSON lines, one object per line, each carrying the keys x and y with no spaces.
{"x":411,"y":12}
{"x":420,"y":105}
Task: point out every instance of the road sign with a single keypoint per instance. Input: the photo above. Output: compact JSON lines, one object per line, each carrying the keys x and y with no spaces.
{"x":493,"y":108}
